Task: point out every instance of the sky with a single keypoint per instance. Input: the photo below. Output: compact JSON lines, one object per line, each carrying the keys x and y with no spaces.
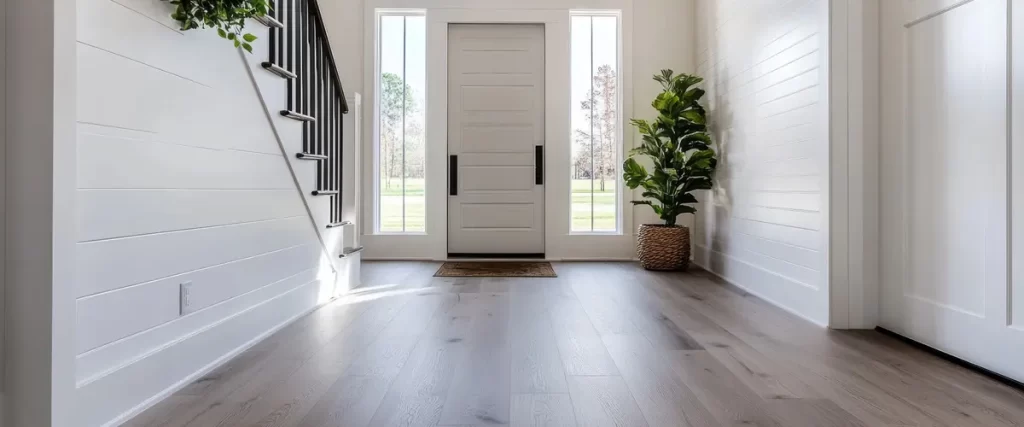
{"x":415,"y":64}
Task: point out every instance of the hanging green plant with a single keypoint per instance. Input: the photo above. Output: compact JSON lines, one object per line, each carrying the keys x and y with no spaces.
{"x":227,"y":16}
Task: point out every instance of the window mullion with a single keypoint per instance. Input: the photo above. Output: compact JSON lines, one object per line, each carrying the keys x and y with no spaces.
{"x":404,"y":114}
{"x":593,"y":119}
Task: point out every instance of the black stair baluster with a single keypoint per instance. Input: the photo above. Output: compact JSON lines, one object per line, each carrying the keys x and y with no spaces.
{"x":273,"y":35}
{"x":304,"y":90}
{"x":339,"y":144}
{"x":290,"y":47}
{"x":279,"y":6}
{"x":319,"y":107}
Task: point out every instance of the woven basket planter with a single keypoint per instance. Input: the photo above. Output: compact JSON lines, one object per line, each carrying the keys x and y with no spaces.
{"x":662,"y":247}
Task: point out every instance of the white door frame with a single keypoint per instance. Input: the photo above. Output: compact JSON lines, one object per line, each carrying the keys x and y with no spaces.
{"x":854,"y":261}
{"x":556,"y":17}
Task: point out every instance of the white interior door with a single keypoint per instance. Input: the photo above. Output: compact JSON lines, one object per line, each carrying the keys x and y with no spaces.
{"x":495,"y":139}
{"x":945,"y":174}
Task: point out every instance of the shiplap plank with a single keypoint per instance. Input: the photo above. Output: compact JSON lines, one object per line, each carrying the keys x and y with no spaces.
{"x":800,"y":256}
{"x":154,"y":41}
{"x":105,"y":214}
{"x":118,"y":163}
{"x":121,"y":92}
{"x":111,"y":264}
{"x":102,"y":360}
{"x":113,"y":315}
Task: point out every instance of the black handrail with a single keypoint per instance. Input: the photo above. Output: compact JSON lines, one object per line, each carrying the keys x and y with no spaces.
{"x":333,"y":65}
{"x":300,"y":53}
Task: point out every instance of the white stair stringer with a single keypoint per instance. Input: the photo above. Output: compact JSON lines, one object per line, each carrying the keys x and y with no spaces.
{"x":272,"y":90}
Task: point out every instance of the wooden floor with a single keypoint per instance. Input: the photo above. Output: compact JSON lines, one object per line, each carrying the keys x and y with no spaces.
{"x":604,"y":344}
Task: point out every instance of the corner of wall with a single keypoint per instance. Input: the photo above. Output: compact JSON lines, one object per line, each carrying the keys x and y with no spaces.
{"x":854,"y":102}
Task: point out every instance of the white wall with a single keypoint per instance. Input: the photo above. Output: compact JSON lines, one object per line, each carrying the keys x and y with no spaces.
{"x":764,"y":226}
{"x":662,"y":38}
{"x":39,"y":208}
{"x":181,"y":178}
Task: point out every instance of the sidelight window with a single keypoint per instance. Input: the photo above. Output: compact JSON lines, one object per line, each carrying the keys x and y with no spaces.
{"x":400,"y":137}
{"x":596,"y":123}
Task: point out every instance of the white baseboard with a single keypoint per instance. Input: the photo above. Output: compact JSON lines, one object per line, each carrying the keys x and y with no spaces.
{"x":794,"y":290}
{"x":121,"y":395}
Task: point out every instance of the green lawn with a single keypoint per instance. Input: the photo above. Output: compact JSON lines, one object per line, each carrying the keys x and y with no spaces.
{"x":391,"y":206}
{"x":415,"y":206}
{"x":604,"y":206}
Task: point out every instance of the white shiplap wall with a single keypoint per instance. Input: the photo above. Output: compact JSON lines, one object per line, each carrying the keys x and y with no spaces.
{"x":181,"y":179}
{"x":764,"y":226}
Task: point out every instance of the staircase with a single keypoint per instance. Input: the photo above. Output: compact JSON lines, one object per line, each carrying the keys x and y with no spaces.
{"x":306,"y":94}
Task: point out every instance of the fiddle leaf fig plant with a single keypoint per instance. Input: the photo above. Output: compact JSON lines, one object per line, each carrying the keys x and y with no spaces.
{"x":227,"y":16}
{"x":679,"y":147}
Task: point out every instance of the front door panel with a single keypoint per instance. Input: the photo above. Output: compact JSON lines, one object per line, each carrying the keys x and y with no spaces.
{"x":495,"y":126}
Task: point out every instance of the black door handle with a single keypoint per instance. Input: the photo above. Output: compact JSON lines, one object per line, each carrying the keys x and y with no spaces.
{"x":538,"y":155}
{"x":453,"y":175}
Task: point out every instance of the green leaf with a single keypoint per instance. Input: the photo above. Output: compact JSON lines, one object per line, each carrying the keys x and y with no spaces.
{"x":694,"y":116}
{"x":678,"y":147}
{"x":249,"y":38}
{"x":688,"y":198}
{"x":247,"y":47}
{"x":222,"y":33}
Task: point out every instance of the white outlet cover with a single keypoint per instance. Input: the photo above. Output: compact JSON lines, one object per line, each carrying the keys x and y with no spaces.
{"x":185,"y":300}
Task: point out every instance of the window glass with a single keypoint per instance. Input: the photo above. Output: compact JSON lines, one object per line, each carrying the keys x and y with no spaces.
{"x":401,"y":128}
{"x":596,"y":124}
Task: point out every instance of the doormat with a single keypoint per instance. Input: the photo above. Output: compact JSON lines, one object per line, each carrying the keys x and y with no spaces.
{"x":496,"y":269}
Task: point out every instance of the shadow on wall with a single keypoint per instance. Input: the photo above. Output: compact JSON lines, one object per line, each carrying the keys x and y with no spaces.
{"x":721,"y":125}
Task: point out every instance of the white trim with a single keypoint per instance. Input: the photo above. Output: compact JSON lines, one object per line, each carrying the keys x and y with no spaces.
{"x":556,"y":16}
{"x":853,"y":169}
{"x":39,"y":236}
{"x":753,"y":292}
{"x":374,"y":39}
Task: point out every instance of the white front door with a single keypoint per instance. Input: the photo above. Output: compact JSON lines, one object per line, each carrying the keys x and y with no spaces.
{"x":946,"y":205}
{"x":495,"y":139}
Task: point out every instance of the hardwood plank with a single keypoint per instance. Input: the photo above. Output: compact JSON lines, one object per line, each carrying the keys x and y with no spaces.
{"x":801,"y":349}
{"x":289,"y":399}
{"x":536,"y":363}
{"x":604,"y":402}
{"x":417,"y":395}
{"x":663,"y":398}
{"x":542,"y":410}
{"x":768,"y":378}
{"x":995,"y":396}
{"x":480,"y":390}
{"x":579,"y":345}
{"x":605,"y":313}
{"x":375,"y":344}
{"x":728,"y":399}
{"x":351,"y":401}
{"x":812,"y":412}
{"x":407,"y":349}
{"x":162,"y":413}
{"x":645,"y":310}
